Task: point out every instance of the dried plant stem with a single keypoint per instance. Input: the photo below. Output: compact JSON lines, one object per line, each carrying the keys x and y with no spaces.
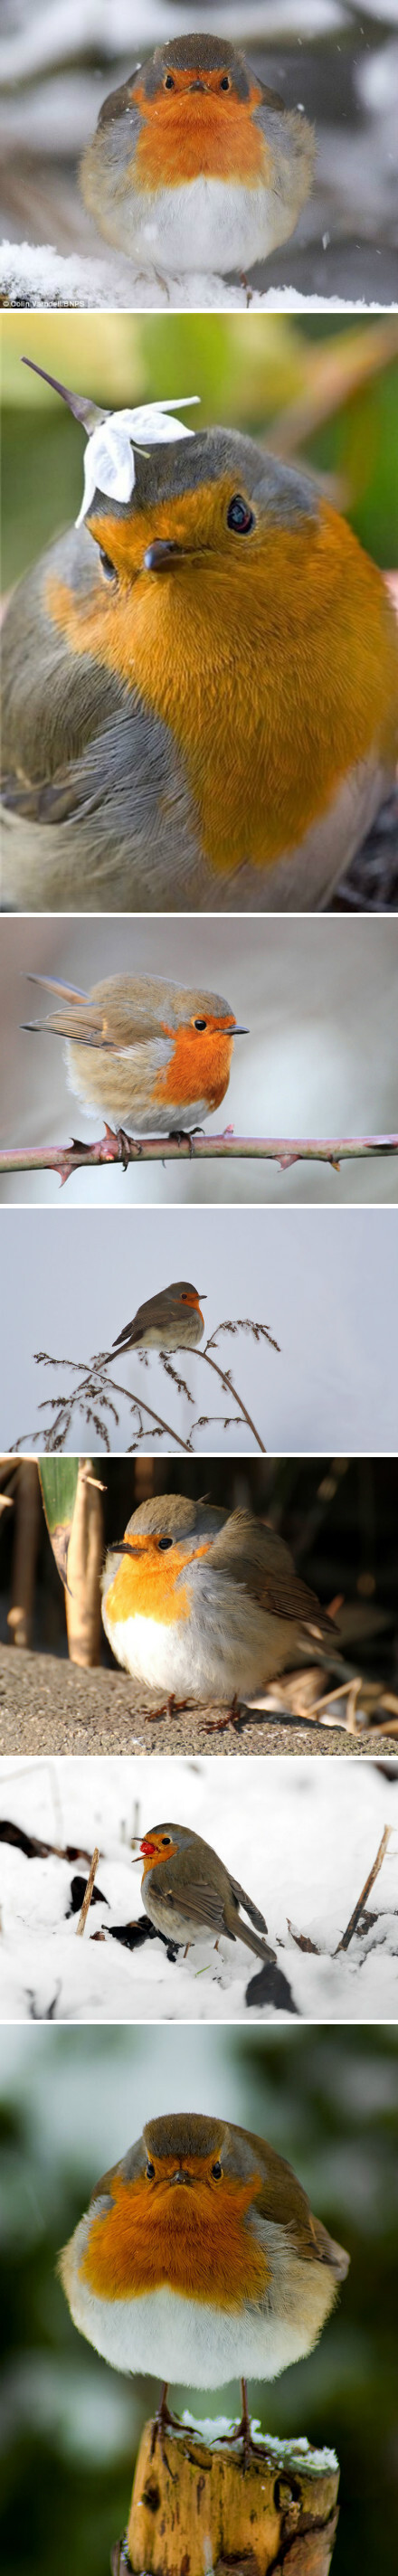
{"x":88,"y":1893}
{"x":67,"y":1159}
{"x":232,"y":1390}
{"x":365,"y":1891}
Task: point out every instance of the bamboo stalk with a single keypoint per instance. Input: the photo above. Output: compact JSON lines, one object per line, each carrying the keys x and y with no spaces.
{"x":85,"y":1559}
{"x":67,"y":1159}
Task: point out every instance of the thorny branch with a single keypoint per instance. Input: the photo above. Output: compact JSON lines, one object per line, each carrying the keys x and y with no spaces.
{"x":120,"y":1148}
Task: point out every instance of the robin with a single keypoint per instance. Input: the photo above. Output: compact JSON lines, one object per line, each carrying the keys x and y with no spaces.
{"x":152,"y":1055}
{"x":200,"y":684}
{"x":204,"y":1603}
{"x":187,"y":1891}
{"x":199,"y":2252}
{"x":172,"y":1321}
{"x":195,"y":164}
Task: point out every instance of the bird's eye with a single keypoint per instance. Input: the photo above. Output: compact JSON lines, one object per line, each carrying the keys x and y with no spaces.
{"x":217,"y":2171}
{"x":108,"y":568}
{"x":169,"y":82}
{"x":200,"y":1024}
{"x":166,"y":1839}
{"x":240,"y":516}
{"x":165,"y":1542}
{"x":225,"y":83}
{"x":150,"y":2169}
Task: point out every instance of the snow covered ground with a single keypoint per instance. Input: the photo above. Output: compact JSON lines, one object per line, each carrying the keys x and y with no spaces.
{"x":300,"y":1836}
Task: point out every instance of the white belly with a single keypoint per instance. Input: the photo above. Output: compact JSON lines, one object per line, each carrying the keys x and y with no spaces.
{"x":204,"y":225}
{"x":174,"y":2339}
{"x":225,"y":1647}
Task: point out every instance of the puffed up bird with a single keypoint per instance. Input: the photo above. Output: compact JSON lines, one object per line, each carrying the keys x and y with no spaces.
{"x":152,"y":1054}
{"x":200,"y":685}
{"x":205,"y":1604}
{"x":195,"y":164}
{"x":187,"y":1891}
{"x":171,"y":1321}
{"x":199,"y":2258}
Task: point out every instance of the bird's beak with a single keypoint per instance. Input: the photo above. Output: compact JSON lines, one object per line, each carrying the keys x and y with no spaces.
{"x":161,"y":554}
{"x":180,"y":2176}
{"x":201,"y":85}
{"x":121,"y":1547}
{"x":239,"y":1032}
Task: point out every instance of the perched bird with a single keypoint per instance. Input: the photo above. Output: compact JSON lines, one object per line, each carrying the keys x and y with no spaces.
{"x":199,"y":2257}
{"x":187,"y":1891}
{"x":152,"y":1054}
{"x":203,"y":1603}
{"x":195,"y":164}
{"x":200,"y":685}
{"x":172,"y":1321}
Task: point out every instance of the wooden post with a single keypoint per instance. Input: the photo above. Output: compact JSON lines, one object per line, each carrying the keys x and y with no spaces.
{"x":196,"y":2511}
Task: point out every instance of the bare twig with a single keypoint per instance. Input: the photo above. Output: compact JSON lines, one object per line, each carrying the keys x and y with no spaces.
{"x":91,"y":1391}
{"x":67,"y":1159}
{"x":95,"y":1392}
{"x":230,"y":1389}
{"x":365,"y":1891}
{"x":88,"y":1893}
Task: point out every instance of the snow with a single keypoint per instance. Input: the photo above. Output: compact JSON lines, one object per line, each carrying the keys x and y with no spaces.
{"x":300,"y":1837}
{"x":298,"y":2453}
{"x":40,"y":277}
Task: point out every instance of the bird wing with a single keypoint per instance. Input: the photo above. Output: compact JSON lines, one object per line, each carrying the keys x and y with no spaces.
{"x":250,"y":1909}
{"x":77,"y":1017}
{"x":120,"y":104}
{"x":281,"y":2198}
{"x":131,"y":1332}
{"x":258,"y":1559}
{"x":59,"y":708}
{"x":204,"y":1904}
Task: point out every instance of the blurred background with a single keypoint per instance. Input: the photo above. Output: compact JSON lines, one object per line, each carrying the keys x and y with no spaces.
{"x":337,"y":59}
{"x":339,"y":1516}
{"x":320,"y":1058}
{"x":70,"y":2104}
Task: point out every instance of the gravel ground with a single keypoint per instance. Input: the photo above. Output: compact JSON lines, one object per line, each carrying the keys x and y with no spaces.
{"x":50,"y":1706}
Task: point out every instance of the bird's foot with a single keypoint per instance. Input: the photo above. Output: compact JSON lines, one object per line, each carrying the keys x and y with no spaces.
{"x":242,"y":2433}
{"x":248,"y":289}
{"x":231,"y":1717}
{"x":161,"y":2419}
{"x":184,"y":1136}
{"x":169,"y":1708}
{"x":115,"y":1146}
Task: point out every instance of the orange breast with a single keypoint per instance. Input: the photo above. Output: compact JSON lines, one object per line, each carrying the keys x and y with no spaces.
{"x":145,"y":1585}
{"x":275,"y":672}
{"x":197,"y":1068}
{"x":198,"y":134}
{"x":192,"y":2241}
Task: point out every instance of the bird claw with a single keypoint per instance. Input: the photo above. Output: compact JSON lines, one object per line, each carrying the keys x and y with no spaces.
{"x":242,"y":2433}
{"x":184,"y":1135}
{"x":231,"y":1717}
{"x":161,"y":2419}
{"x":169,"y":1708}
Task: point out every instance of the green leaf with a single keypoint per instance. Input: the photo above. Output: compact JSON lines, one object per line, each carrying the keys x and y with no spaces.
{"x":58,"y":1481}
